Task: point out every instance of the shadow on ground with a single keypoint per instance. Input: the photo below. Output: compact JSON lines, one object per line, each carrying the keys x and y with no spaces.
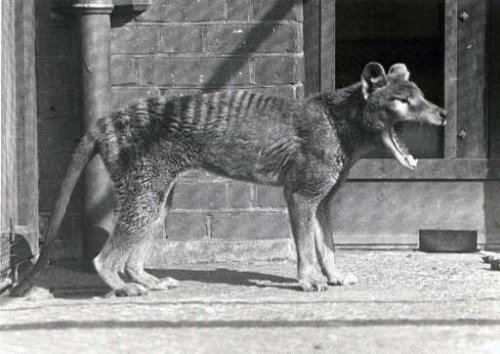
{"x":82,"y":284}
{"x":229,"y":277}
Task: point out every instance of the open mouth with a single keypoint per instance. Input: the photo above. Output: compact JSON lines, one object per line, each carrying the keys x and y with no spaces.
{"x":398,"y":149}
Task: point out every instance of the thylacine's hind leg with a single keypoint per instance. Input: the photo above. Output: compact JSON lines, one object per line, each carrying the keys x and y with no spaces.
{"x":134,"y":265}
{"x":139,"y":212}
{"x":325,"y":248}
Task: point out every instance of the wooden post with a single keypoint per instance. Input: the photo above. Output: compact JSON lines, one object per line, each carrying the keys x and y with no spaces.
{"x":319,"y":45}
{"x":8,"y":186}
{"x":26,"y":113}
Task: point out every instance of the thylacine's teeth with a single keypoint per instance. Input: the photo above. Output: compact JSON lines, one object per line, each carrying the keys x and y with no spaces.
{"x":398,"y":143}
{"x":412,"y":161}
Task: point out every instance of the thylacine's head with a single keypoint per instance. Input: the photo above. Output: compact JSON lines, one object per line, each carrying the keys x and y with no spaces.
{"x":390,"y":99}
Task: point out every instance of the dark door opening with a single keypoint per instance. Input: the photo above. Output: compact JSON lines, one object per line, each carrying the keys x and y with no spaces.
{"x":395,"y":31}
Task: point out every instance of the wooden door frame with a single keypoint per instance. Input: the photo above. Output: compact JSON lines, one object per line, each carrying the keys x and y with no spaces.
{"x":457,"y":164}
{"x":27,"y":223}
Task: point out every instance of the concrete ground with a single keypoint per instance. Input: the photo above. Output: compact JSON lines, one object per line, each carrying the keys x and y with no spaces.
{"x":404,"y":302}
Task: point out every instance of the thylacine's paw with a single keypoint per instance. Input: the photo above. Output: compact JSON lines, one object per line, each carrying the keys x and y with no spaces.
{"x":131,"y":289}
{"x":315,"y":285}
{"x":166,"y":283}
{"x":337,"y":278}
{"x":149,"y":281}
{"x":313,"y":282}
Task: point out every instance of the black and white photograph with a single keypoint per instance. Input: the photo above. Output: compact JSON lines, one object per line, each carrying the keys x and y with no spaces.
{"x":250,"y":176}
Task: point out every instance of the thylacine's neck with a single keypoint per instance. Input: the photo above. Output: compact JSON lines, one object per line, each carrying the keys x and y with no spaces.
{"x":345,"y":109}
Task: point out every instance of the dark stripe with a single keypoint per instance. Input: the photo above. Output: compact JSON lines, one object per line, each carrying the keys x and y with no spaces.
{"x":266,"y":102}
{"x":170,"y":109}
{"x":101,"y":125}
{"x":220,"y":104}
{"x":250,"y":100}
{"x":197,"y":102}
{"x":259,"y":101}
{"x":185,"y":101}
{"x":281,"y":103}
{"x":211,"y":115}
{"x":240,"y":104}
{"x":230,"y":104}
{"x":117,"y":122}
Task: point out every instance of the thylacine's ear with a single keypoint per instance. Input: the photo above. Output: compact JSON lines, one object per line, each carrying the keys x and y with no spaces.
{"x":399,"y":71}
{"x":372,"y":78}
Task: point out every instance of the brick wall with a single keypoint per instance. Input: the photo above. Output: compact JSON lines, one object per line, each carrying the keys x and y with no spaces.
{"x":176,"y":47}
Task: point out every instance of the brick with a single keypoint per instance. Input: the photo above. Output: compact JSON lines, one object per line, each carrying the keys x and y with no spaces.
{"x":186,"y":226}
{"x":278,"y":70}
{"x":287,"y":91}
{"x":239,"y":10}
{"x":48,"y":193}
{"x":67,"y":250}
{"x":299,"y":92}
{"x":265,"y":10}
{"x":55,"y":41}
{"x":58,"y":135}
{"x":134,"y":39}
{"x":77,"y":226}
{"x":123,"y":70}
{"x":46,"y":16}
{"x":205,"y":196}
{"x":43,"y":223}
{"x":181,"y":39}
{"x":71,"y":226}
{"x":58,"y":73}
{"x":233,"y":226}
{"x":53,"y":104}
{"x":172,"y":92}
{"x":250,"y":225}
{"x":240,"y":195}
{"x":197,"y":175}
{"x":269,"y":197}
{"x":184,"y":11}
{"x":271,"y":225}
{"x":52,"y":165}
{"x":124,"y":96}
{"x":197,"y":71}
{"x":253,"y":38}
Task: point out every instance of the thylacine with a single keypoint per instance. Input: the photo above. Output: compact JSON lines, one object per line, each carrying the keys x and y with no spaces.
{"x":305,"y":146}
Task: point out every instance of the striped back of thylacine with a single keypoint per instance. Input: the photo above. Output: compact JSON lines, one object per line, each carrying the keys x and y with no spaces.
{"x":191,"y":119}
{"x":218,"y":112}
{"x":241,"y":121}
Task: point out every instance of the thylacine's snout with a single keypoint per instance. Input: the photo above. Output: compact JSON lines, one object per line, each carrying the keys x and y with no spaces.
{"x":435,"y":115}
{"x":443,"y":114}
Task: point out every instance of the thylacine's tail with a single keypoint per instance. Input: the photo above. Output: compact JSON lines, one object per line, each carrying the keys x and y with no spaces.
{"x":84,"y":152}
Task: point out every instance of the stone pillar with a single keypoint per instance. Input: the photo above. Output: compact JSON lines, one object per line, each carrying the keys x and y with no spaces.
{"x":94,"y":24}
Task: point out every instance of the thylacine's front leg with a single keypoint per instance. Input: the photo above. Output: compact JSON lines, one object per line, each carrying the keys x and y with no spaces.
{"x":325,"y":248}
{"x":302,"y":210}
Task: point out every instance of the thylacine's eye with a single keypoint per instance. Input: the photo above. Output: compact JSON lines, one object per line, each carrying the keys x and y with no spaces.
{"x":401,"y":105}
{"x":401,"y":99}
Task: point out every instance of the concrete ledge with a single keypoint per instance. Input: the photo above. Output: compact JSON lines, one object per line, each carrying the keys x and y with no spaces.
{"x":208,"y":251}
{"x":136,"y":5}
{"x":215,"y":251}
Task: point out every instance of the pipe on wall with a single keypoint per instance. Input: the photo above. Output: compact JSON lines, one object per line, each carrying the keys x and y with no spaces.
{"x":95,"y":25}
